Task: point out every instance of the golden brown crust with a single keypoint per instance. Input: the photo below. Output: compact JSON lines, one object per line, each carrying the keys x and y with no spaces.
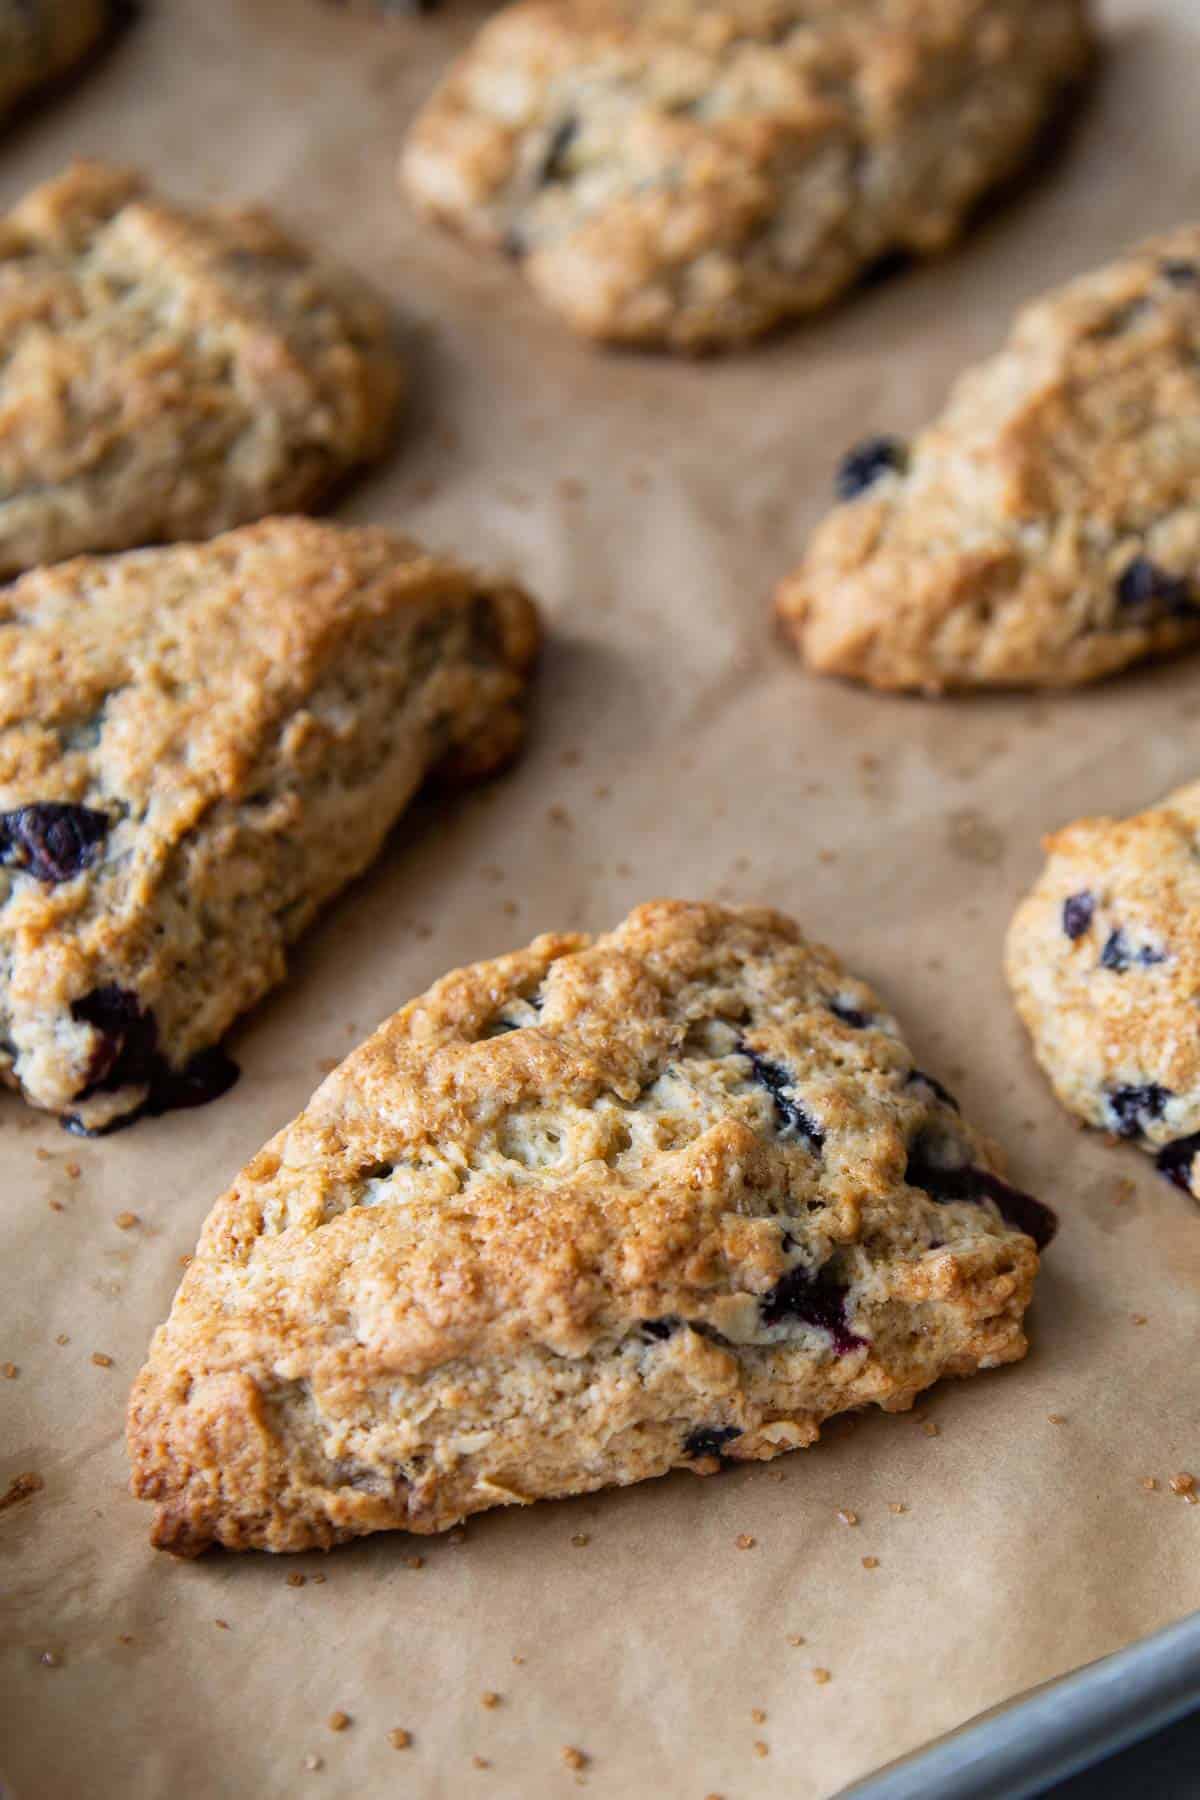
{"x":689,"y":172}
{"x":1103,"y":960}
{"x":1045,"y":531}
{"x":201,"y":745}
{"x":170,"y":374}
{"x":562,"y":1219}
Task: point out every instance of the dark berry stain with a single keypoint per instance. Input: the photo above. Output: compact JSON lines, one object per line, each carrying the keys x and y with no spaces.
{"x":849,"y":1015}
{"x":1175,"y":1160}
{"x":660,"y":1328}
{"x":814,"y":1300}
{"x":1144,"y":584}
{"x":127,"y":1055}
{"x":50,"y":840}
{"x":790,"y":1116}
{"x":1129,"y":1106}
{"x":708,"y":1440}
{"x":964,"y":1181}
{"x":127,"y":1043}
{"x":554,"y":162}
{"x":1180,"y":273}
{"x":1077,"y":914}
{"x":931,"y":1081}
{"x":1119,"y":955}
{"x":862,"y":466}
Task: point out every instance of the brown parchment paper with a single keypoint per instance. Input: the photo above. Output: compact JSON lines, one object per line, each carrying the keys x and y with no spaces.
{"x":678,"y":749}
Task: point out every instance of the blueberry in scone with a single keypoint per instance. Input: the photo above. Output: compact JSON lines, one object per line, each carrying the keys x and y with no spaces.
{"x":199,"y":746}
{"x":1104,"y":963}
{"x":589,"y":1212}
{"x":170,"y":374}
{"x":687,"y":173}
{"x":1045,"y":530}
{"x":43,"y":39}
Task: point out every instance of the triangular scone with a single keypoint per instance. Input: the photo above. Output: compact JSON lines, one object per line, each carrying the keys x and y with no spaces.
{"x":578,"y":1216}
{"x":1103,"y":960}
{"x":1046,"y":529}
{"x":199,"y":746}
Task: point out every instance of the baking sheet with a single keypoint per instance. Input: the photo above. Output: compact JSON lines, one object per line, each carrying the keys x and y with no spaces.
{"x":1064,"y":1727}
{"x":1013,"y":1752}
{"x":678,"y":749}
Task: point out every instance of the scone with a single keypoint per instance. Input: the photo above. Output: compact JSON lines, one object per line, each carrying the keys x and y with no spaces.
{"x":1045,"y":531}
{"x":170,"y":374}
{"x":1104,"y":963}
{"x":578,"y":1216}
{"x":43,"y":39}
{"x":199,"y":746}
{"x":688,"y":173}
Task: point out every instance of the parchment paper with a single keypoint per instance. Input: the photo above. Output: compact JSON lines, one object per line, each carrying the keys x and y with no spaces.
{"x":678,"y":749}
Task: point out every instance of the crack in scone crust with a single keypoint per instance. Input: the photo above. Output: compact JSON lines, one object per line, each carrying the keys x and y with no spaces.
{"x":41,"y":40}
{"x":1103,"y":960}
{"x":577,"y":1216}
{"x":169,"y":374}
{"x":690,"y":172}
{"x":199,"y":746}
{"x":1045,"y":530}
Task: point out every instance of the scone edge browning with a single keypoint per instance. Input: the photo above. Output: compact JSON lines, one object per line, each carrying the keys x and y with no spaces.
{"x":173,"y":373}
{"x":689,"y":175}
{"x":1044,"y":531}
{"x":1103,"y":960}
{"x":232,"y":728}
{"x":560,"y":1224}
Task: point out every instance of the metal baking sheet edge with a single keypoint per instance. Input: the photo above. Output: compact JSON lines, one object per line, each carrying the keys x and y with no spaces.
{"x":1051,"y":1732}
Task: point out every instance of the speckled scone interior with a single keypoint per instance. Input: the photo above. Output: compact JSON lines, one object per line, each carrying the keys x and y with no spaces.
{"x":170,"y":374}
{"x":1046,"y":529}
{"x":1104,"y":964}
{"x":689,"y":172}
{"x":43,"y":39}
{"x":578,"y":1216}
{"x":198,"y":747}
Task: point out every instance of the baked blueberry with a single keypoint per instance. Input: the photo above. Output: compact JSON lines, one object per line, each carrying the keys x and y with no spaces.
{"x":1130,"y":1107}
{"x":862,"y":466}
{"x":709,"y":1440}
{"x":1119,"y":954}
{"x":1143,"y":583}
{"x":935,"y":1086}
{"x":127,"y":1039}
{"x":790,"y":1116}
{"x":1175,"y":1160}
{"x":814,"y":1299}
{"x":52,"y":840}
{"x":554,"y":166}
{"x":1077,"y":914}
{"x":932,"y":1170}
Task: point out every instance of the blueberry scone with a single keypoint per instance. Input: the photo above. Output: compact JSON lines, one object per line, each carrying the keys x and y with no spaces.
{"x":1104,"y":964}
{"x":199,"y":746}
{"x":171,"y":374}
{"x":1045,"y":530}
{"x":581,"y":1215}
{"x":689,"y":172}
{"x":43,"y":39}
